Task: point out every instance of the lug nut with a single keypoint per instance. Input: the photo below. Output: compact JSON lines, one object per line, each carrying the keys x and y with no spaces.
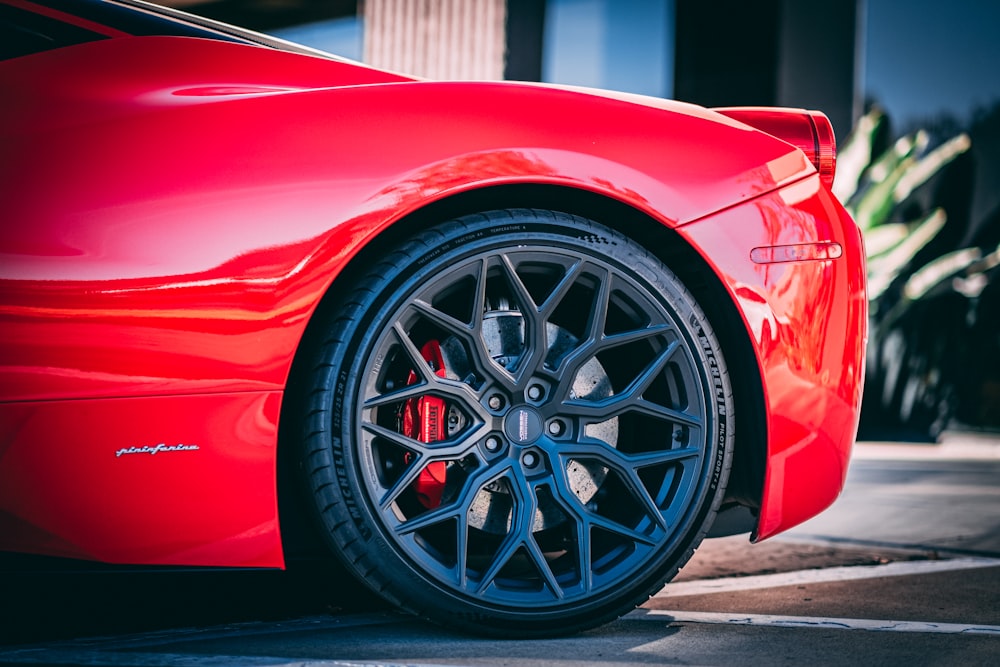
{"x":495,"y":402}
{"x":529,"y":459}
{"x":556,"y":427}
{"x":535,"y":392}
{"x":492,"y":443}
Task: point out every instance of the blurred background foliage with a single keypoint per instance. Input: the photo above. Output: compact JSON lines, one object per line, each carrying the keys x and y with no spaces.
{"x":926,"y":203}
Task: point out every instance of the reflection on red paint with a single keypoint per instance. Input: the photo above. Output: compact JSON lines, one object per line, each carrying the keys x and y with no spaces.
{"x":65,"y":491}
{"x":809,"y":323}
{"x":175,"y":209}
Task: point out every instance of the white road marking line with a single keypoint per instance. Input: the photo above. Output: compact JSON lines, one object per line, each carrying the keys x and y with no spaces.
{"x":767,"y":620}
{"x":954,"y":448}
{"x":848,"y":573}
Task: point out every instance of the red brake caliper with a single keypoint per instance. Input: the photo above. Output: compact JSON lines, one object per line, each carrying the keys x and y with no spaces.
{"x":424,"y":420}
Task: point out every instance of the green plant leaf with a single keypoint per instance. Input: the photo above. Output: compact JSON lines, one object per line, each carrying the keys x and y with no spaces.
{"x":937,"y":272}
{"x":930,"y":164}
{"x":874,"y":204}
{"x":883,"y":270}
{"x":884,"y":238}
{"x":856,"y":154}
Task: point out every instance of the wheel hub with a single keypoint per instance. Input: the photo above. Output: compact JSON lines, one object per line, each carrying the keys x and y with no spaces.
{"x":523,"y":425}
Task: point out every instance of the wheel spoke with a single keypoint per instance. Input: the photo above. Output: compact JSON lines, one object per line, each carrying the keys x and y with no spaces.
{"x":624,"y":338}
{"x":471,"y":332}
{"x":531,"y":544}
{"x":512,"y":545}
{"x":457,"y":391}
{"x":587,"y":519}
{"x":479,"y":302}
{"x":396,"y":396}
{"x":408,"y":477}
{"x":594,"y":329}
{"x":599,"y":521}
{"x":630,"y":398}
{"x":627,"y":466}
{"x":543,"y":567}
{"x":424,"y":453}
{"x":456,"y":509}
{"x":642,"y":406}
{"x":599,"y":314}
{"x":598,"y":342}
{"x":584,"y":552}
{"x":416,"y":466}
{"x":430,"y":518}
{"x":597,"y":411}
{"x":394,"y":437}
{"x":555,"y":297}
{"x":537,"y":316}
{"x":623,"y":462}
{"x":440,"y":449}
{"x":534,"y":334}
{"x":462,"y":550}
{"x":639,"y":492}
{"x":521,"y":293}
{"x":520,"y":537}
{"x":431,"y":382}
{"x":420,"y":364}
{"x":444,"y":320}
{"x":654,"y":368}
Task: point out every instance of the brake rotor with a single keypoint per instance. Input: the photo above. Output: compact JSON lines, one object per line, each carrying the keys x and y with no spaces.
{"x":430,"y":419}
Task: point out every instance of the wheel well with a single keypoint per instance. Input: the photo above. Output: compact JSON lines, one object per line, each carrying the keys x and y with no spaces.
{"x":747,"y":477}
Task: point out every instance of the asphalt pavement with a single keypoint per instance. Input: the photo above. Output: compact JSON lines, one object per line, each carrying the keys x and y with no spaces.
{"x":903,"y":569}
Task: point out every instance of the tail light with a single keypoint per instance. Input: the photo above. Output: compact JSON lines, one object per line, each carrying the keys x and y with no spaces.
{"x":809,"y":131}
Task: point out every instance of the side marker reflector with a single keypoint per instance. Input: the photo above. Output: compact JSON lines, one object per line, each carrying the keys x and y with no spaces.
{"x":800,"y":252}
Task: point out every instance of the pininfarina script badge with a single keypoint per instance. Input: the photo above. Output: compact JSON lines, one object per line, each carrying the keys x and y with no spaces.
{"x":156,"y":449}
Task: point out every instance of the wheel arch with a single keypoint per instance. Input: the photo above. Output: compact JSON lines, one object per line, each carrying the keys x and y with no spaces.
{"x":750,"y":448}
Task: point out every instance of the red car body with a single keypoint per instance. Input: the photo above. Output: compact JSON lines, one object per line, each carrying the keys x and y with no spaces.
{"x":175,"y":208}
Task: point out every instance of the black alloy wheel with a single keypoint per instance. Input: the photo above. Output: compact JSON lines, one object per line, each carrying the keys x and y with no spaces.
{"x":520,"y":422}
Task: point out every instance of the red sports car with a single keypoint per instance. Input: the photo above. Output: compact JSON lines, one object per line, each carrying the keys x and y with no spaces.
{"x":510,"y":350}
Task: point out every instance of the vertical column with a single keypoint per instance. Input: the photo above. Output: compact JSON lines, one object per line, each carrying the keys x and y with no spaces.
{"x":819,"y":57}
{"x":727,"y":52}
{"x":525,"y":36}
{"x":437,"y":39}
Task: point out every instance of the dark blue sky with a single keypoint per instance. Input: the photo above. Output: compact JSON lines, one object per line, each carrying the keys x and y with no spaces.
{"x":928,"y":57}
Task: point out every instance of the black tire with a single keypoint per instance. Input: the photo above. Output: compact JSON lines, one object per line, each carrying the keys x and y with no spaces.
{"x":551,"y":459}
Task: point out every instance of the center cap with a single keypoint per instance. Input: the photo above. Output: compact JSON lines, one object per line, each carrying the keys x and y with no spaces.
{"x":523,"y":425}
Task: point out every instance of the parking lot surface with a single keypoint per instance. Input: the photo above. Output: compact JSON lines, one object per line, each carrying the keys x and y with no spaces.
{"x":904,"y":569}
